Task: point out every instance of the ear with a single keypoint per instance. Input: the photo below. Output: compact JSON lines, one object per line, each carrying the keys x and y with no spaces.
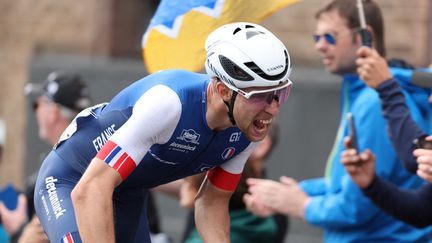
{"x":223,"y":91}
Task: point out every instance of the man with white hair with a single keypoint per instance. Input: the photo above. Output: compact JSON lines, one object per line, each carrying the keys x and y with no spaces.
{"x":55,"y":103}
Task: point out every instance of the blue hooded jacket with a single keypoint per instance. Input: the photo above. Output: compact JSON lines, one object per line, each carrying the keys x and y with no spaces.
{"x":3,"y":235}
{"x":337,"y":205}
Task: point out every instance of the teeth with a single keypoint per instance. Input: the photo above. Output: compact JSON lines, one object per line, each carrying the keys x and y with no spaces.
{"x":265,"y":121}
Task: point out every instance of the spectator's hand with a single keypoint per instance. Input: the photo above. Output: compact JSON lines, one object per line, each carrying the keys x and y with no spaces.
{"x":424,"y":160}
{"x":284,"y":197}
{"x":13,"y":219}
{"x":33,"y":232}
{"x":361,"y":167}
{"x":371,"y":67}
{"x":256,"y":206}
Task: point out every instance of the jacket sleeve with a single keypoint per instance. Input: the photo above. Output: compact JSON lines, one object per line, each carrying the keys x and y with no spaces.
{"x":344,"y":206}
{"x":402,"y":204}
{"x":344,"y":209}
{"x":402,"y":129}
{"x":313,"y":187}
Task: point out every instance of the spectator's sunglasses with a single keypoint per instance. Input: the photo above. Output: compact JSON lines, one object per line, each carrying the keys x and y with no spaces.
{"x":331,"y":37}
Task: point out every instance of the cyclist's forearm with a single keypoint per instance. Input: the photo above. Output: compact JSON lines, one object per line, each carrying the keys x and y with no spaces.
{"x":92,"y":200}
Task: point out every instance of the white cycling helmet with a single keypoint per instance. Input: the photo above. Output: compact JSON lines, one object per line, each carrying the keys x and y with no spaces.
{"x":246,"y":55}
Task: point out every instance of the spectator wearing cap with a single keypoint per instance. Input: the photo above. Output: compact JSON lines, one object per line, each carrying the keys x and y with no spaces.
{"x":55,"y":103}
{"x":60,"y":99}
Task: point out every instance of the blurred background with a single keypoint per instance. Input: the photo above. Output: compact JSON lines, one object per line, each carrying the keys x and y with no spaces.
{"x":101,"y":40}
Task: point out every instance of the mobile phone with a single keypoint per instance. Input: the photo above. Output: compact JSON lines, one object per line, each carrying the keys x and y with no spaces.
{"x":365,"y":34}
{"x":9,"y":196}
{"x":422,"y":143}
{"x":352,"y":132}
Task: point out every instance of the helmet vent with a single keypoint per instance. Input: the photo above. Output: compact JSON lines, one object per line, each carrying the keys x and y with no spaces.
{"x":236,"y":30}
{"x":249,"y":26}
{"x":252,"y":66}
{"x":233,"y":70}
{"x":251,"y":34}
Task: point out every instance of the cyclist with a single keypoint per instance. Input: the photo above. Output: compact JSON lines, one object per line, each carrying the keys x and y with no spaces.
{"x":168,"y":125}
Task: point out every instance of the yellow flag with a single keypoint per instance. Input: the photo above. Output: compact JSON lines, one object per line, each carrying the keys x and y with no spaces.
{"x":177,"y":32}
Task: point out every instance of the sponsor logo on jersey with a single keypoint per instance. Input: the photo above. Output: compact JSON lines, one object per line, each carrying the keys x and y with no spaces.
{"x":189,"y":135}
{"x":181,"y":147}
{"x":235,"y":137}
{"x":100,"y":140}
{"x":228,"y":153}
{"x":55,"y":202}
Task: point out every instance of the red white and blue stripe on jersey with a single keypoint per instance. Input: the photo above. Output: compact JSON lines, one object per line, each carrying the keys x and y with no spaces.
{"x":117,"y":158}
{"x":67,"y":238}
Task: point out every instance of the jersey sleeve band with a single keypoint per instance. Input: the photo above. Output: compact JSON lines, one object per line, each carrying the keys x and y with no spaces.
{"x":223,"y":179}
{"x":117,"y":158}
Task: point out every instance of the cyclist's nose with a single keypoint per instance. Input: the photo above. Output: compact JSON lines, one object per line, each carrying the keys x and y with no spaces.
{"x":273,"y":107}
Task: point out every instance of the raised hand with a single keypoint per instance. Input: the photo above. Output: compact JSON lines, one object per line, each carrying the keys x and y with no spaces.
{"x":371,"y":67}
{"x":361,"y":167}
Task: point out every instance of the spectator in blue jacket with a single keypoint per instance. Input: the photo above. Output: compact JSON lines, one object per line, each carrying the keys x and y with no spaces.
{"x":334,"y":202}
{"x":411,"y":206}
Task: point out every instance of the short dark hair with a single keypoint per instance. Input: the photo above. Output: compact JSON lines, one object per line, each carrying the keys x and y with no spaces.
{"x":347,"y":9}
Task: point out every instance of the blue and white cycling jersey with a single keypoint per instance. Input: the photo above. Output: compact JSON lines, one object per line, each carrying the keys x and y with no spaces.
{"x":152,"y":132}
{"x":159,"y":132}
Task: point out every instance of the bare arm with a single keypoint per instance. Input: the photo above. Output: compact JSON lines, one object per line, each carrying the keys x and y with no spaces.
{"x":92,"y":200}
{"x":171,"y":188}
{"x":211,"y":213}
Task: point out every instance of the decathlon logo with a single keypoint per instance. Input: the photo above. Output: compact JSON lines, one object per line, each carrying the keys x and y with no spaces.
{"x":228,"y":153}
{"x":190,"y":136}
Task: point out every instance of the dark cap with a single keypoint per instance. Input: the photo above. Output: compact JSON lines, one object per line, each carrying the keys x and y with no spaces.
{"x":66,"y":89}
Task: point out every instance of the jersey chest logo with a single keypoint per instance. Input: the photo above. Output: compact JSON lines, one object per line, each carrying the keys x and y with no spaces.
{"x":190,"y":136}
{"x":235,"y":137}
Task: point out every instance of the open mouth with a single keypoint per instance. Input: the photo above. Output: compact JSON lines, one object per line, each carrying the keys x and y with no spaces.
{"x":262,"y":124}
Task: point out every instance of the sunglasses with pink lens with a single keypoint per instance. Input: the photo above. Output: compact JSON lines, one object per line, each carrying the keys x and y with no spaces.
{"x":263,"y":97}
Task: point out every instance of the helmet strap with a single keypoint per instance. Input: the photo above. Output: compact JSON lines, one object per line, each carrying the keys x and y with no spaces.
{"x":231,"y":107}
